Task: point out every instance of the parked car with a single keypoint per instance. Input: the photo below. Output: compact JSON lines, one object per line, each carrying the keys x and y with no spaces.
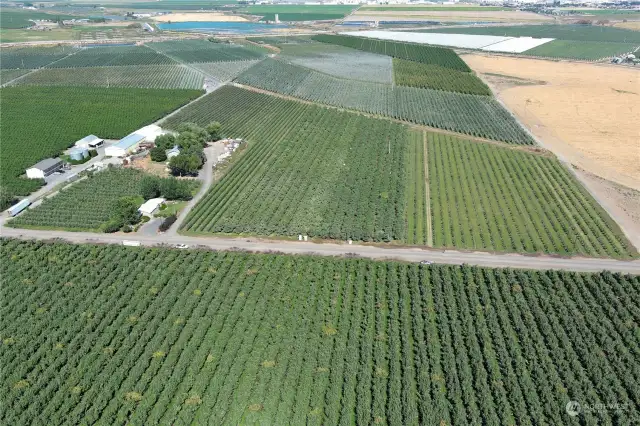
{"x":182,"y":246}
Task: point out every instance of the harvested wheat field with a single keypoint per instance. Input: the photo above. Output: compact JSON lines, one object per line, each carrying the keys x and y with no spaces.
{"x":199,"y":17}
{"x":586,"y":113}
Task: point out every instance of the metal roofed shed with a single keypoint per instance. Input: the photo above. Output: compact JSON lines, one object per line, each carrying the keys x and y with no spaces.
{"x":172,"y":152}
{"x":44,"y":168}
{"x":151,"y":206}
{"x":90,"y":141}
{"x":125,"y":146}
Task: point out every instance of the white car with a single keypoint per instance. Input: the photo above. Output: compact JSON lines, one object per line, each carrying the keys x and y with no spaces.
{"x":426,"y":262}
{"x":182,"y":246}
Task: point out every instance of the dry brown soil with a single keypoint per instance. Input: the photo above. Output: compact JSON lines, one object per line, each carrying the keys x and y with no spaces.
{"x":623,"y":203}
{"x":587,"y":114}
{"x":630,"y":25}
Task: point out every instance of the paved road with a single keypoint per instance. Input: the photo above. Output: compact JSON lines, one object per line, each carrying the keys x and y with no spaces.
{"x":374,"y":252}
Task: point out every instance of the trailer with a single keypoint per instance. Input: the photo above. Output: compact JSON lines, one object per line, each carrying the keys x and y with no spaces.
{"x":14,"y":210}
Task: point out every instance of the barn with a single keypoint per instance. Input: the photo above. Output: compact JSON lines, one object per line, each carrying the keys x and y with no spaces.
{"x":129,"y":143}
{"x":44,"y":168}
{"x":125,"y":146}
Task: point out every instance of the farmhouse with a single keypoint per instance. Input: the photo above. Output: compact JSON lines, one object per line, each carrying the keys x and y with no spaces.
{"x":151,"y":206}
{"x":44,"y":168}
{"x":91,"y":141}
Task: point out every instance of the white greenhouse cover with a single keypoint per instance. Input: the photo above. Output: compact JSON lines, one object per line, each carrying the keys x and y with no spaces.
{"x":466,"y":41}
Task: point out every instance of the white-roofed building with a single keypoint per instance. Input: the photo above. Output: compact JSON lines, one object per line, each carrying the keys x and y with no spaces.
{"x":126,"y":145}
{"x":150,"y":132}
{"x":129,"y":143}
{"x":90,"y":142}
{"x":151,"y":206}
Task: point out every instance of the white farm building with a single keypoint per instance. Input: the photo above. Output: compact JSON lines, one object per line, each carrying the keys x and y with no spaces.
{"x":90,"y":142}
{"x":151,"y":206}
{"x":129,"y":143}
{"x":44,"y":168}
{"x":125,"y":146}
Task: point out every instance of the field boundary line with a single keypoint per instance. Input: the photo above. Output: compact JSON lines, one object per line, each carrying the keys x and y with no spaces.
{"x":162,"y":119}
{"x":38,"y":69}
{"x":204,"y":74}
{"x":427,"y":191}
{"x":531,"y":149}
{"x":275,"y":49}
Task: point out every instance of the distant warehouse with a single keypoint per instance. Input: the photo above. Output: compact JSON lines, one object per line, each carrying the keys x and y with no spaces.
{"x":44,"y":168}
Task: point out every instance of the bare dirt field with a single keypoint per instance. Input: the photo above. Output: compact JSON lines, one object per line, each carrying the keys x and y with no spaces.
{"x":623,"y":203}
{"x":145,"y":164}
{"x":199,"y":17}
{"x":501,"y":16}
{"x":586,"y":113}
{"x":629,"y":25}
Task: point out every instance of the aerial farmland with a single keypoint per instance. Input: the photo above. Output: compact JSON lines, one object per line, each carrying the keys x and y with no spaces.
{"x":221,"y":213}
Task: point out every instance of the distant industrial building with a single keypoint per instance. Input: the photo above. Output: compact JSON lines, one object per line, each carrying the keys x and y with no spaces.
{"x":151,"y":206}
{"x":90,"y":142}
{"x":44,"y":168}
{"x":130,"y":143}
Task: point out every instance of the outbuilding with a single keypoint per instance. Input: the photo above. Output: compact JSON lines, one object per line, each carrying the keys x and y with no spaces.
{"x":151,"y":206}
{"x":150,"y":132}
{"x":126,"y":145}
{"x":90,"y":142}
{"x":173,"y":152}
{"x":17,"y":208}
{"x":44,"y":168}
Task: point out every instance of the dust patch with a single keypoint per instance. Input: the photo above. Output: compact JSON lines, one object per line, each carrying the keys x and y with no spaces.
{"x":505,"y":81}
